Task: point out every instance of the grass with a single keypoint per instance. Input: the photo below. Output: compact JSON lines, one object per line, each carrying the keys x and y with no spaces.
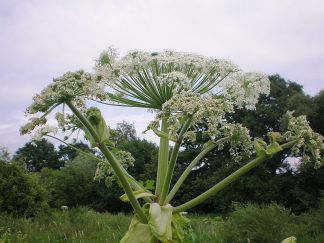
{"x":82,"y":226}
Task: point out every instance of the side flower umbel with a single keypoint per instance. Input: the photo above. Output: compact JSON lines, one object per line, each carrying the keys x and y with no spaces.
{"x":185,"y":91}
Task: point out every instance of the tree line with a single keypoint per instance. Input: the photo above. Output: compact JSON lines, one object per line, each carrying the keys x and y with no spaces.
{"x":39,"y":176}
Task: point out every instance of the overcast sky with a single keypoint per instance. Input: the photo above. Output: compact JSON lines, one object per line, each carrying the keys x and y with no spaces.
{"x":42,"y":39}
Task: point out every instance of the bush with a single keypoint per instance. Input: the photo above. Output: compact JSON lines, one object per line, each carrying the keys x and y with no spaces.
{"x":20,"y":193}
{"x":74,"y":185}
{"x":259,"y":223}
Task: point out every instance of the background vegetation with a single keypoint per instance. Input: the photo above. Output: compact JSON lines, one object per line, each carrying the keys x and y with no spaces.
{"x":277,"y":199}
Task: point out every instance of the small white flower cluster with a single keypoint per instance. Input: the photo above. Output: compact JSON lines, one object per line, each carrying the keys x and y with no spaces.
{"x":72,"y":85}
{"x":244,"y":88}
{"x":106,"y":173}
{"x":240,"y":140}
{"x":310,"y":144}
{"x":44,"y":130}
{"x":177,"y":81}
{"x":207,"y":109}
{"x":30,"y":126}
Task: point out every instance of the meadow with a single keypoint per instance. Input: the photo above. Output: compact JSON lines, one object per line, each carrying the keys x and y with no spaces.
{"x":248,"y":223}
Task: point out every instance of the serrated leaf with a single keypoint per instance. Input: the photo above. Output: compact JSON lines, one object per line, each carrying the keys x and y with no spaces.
{"x":138,"y":194}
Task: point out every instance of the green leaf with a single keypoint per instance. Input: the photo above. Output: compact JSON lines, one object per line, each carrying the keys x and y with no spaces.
{"x":138,"y":194}
{"x":160,"y":218}
{"x":178,"y":224}
{"x":138,"y":233}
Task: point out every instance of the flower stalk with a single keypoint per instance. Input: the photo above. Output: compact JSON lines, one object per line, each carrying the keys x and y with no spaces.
{"x":163,"y":158}
{"x":229,"y":179}
{"x":113,"y":162}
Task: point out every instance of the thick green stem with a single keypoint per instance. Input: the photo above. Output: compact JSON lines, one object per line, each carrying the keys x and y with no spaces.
{"x":193,"y":163}
{"x":172,"y":162}
{"x":219,"y":186}
{"x":234,"y":176}
{"x":163,"y":158}
{"x":117,"y":167}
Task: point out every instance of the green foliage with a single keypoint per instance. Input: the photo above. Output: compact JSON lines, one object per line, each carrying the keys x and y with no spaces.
{"x":4,"y":155}
{"x":67,"y":153}
{"x":255,"y":223}
{"x":20,"y":193}
{"x":75,"y":225}
{"x":37,"y":155}
{"x":145,"y":154}
{"x":83,"y":225}
{"x":123,"y":132}
{"x":295,"y":188}
{"x":74,"y":185}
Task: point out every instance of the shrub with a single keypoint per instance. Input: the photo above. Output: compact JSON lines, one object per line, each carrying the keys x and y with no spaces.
{"x":259,"y":223}
{"x":20,"y":193}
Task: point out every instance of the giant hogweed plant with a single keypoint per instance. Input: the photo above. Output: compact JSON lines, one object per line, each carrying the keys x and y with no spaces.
{"x":183,"y":90}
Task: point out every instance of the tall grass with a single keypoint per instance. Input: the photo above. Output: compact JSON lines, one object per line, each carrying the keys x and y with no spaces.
{"x":248,"y":223}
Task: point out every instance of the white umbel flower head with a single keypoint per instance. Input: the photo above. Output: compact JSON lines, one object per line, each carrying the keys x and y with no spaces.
{"x":72,"y":85}
{"x":143,"y":79}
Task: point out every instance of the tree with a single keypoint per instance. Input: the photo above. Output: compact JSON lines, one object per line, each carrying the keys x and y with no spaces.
{"x":185,"y":90}
{"x":37,"y":155}
{"x":288,"y":186}
{"x":124,"y":132}
{"x":20,"y":194}
{"x":68,"y":153}
{"x":74,"y":185}
{"x":4,"y":155}
{"x":317,"y":116}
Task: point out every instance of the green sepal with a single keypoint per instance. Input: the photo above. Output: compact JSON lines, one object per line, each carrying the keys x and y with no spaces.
{"x":138,"y":194}
{"x":138,"y":233}
{"x":160,"y":218}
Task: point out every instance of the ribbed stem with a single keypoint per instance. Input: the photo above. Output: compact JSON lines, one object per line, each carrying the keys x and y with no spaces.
{"x":173,"y":159}
{"x":219,"y":186}
{"x":234,"y":176}
{"x":163,"y":158}
{"x":193,"y":163}
{"x":117,"y":167}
